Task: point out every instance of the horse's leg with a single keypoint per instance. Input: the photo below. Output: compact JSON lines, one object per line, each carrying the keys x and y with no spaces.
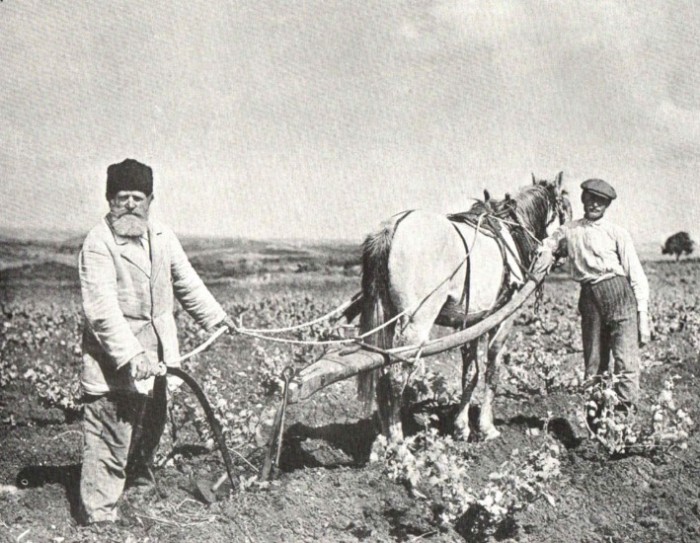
{"x":391,"y":385}
{"x":469,"y":355}
{"x":496,"y":343}
{"x":387,"y":404}
{"x":425,"y":268}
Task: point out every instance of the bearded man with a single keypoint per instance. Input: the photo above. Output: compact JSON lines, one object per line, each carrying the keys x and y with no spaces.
{"x":614,"y":297}
{"x":130,"y":270}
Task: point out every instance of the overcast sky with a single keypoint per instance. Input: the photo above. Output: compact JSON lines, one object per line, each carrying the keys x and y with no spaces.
{"x":317,"y":119}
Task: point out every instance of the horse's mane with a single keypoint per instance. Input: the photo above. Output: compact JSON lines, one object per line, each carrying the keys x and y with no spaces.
{"x":500,"y":208}
{"x":529,"y":208}
{"x":532,"y":206}
{"x":532,"y":211}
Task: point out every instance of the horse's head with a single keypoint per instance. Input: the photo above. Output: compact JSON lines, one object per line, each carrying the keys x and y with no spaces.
{"x":559,"y":205}
{"x":565,"y":211}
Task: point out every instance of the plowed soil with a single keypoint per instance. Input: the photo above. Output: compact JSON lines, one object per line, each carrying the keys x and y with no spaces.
{"x":327,"y":490}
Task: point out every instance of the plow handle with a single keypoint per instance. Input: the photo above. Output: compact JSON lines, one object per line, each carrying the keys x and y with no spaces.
{"x":211,"y":418}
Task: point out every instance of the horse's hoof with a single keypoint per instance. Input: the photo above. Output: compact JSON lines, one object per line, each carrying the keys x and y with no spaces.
{"x":461,"y":431}
{"x":461,"y":434}
{"x":490,"y":434}
{"x":395,"y":433}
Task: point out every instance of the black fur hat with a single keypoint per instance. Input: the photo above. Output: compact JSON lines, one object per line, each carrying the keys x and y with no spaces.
{"x":129,"y":175}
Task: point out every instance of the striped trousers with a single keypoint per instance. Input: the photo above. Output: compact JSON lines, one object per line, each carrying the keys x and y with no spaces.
{"x":609,"y":327}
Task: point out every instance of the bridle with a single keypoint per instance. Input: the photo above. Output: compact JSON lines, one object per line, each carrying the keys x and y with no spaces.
{"x":562,"y":208}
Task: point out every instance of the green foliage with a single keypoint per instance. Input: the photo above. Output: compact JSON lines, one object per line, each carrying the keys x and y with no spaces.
{"x":436,"y":468}
{"x":534,"y":358}
{"x":431,"y":386}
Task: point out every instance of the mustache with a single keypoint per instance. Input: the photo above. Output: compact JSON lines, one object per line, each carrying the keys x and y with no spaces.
{"x":118,"y":213}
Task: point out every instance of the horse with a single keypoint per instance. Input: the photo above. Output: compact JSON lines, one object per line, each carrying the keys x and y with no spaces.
{"x":420,"y":268}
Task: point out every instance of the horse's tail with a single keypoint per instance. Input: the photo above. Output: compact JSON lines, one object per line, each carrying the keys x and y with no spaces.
{"x":376,"y":302}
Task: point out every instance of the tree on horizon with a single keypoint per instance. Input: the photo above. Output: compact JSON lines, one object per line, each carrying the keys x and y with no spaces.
{"x":678,"y":244}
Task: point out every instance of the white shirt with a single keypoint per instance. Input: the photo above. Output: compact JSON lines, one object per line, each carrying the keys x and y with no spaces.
{"x":146,"y":245}
{"x":599,"y":250}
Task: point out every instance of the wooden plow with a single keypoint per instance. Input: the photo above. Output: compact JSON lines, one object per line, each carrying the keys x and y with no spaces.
{"x":344,"y":363}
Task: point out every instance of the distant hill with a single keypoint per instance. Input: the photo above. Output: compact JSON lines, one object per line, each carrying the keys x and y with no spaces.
{"x":217,"y":257}
{"x":35,"y":235}
{"x":212,"y":257}
{"x":239,"y":257}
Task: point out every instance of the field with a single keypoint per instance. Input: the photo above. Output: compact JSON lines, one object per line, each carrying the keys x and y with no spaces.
{"x":544,"y":480}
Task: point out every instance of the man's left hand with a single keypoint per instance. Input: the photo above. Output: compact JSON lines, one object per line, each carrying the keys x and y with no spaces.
{"x":228,"y":323}
{"x":543,"y":263}
{"x":142,"y":367}
{"x":644,"y":328}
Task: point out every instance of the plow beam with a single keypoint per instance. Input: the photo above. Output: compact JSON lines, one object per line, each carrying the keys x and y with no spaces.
{"x":342,"y":364}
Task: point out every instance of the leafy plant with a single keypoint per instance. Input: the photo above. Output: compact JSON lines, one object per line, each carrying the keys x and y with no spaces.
{"x":620,"y":429}
{"x":436,"y":468}
{"x":521,"y":480}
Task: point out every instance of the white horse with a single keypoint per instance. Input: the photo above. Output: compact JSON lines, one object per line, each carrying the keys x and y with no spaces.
{"x":423,"y":267}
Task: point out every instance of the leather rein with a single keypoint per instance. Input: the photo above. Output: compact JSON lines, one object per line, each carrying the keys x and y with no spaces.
{"x":474,"y":219}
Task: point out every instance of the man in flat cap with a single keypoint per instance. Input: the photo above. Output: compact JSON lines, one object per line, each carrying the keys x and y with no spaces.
{"x":130,"y":269}
{"x":614,"y":289}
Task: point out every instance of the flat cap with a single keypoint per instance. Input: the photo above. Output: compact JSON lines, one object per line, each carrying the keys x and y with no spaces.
{"x":599,"y":187}
{"x":129,"y":175}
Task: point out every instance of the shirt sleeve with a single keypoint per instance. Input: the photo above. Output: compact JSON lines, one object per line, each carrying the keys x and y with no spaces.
{"x":190,"y":290}
{"x":98,"y":286}
{"x":633,"y":269}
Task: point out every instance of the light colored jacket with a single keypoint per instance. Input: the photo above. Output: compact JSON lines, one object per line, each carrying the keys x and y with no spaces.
{"x":128,"y":303}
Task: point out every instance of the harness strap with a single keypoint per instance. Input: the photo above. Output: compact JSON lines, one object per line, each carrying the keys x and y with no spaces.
{"x":490,"y":231}
{"x":504,"y":291}
{"x":494,"y":231}
{"x":467,"y":275}
{"x":504,"y":243}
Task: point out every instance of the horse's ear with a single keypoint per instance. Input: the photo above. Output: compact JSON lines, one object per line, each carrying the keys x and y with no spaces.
{"x":487,"y":195}
{"x":560,"y":175}
{"x":534,"y":181}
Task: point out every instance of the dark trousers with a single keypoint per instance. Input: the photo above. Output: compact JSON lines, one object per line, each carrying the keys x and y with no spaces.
{"x":609,"y":327}
{"x":122,"y":431}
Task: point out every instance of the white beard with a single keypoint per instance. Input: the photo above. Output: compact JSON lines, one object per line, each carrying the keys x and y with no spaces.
{"x":129,"y":225}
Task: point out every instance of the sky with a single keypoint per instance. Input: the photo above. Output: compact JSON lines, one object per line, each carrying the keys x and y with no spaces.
{"x":319,"y":119}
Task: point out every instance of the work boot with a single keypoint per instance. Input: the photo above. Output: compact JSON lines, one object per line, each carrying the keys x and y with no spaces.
{"x":140,"y":477}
